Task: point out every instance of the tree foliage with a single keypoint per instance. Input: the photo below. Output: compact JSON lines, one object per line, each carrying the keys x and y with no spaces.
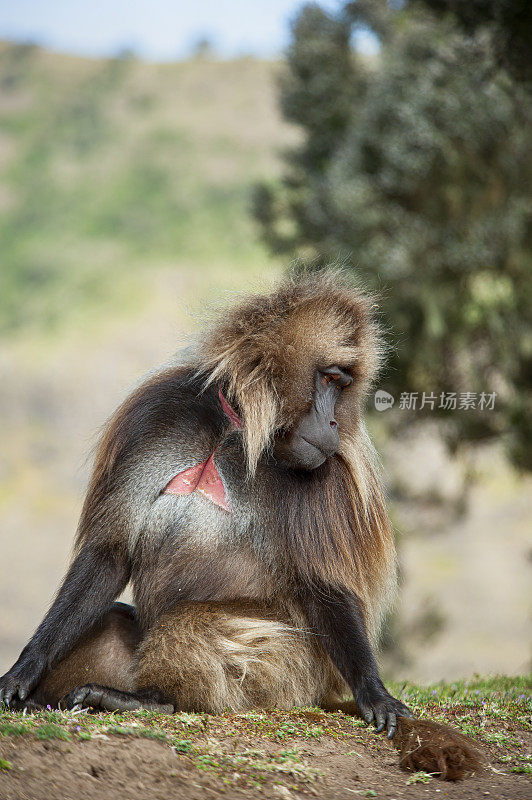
{"x":508,"y":21}
{"x":415,"y":168}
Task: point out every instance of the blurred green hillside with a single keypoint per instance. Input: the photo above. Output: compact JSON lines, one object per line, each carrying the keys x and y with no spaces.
{"x":111,"y":167}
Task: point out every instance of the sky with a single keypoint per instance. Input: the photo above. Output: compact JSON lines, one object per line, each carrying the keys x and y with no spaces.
{"x":157,"y":30}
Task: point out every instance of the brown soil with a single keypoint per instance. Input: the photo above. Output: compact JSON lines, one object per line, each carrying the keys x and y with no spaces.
{"x":124,"y":767}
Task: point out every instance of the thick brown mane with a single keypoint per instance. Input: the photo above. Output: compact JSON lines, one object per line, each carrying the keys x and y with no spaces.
{"x":336,"y":536}
{"x":266,"y":351}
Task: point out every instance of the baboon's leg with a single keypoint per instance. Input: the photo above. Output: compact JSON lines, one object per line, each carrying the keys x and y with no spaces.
{"x":105,"y":698}
{"x":211,"y":657}
{"x":105,"y":655}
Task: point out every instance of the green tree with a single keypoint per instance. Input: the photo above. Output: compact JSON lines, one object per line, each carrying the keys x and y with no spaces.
{"x":509,"y":23}
{"x":421,"y":179}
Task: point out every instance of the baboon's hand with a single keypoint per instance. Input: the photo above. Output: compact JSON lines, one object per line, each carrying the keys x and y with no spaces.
{"x":19,"y":681}
{"x":378,"y":706}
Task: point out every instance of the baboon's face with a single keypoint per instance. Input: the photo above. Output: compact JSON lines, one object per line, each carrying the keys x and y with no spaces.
{"x":314,"y":437}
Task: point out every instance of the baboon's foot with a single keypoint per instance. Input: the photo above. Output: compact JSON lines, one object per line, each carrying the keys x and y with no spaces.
{"x":103,"y":698}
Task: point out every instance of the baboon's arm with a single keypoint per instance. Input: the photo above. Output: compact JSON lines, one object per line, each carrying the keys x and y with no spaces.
{"x":96,"y":577}
{"x":336,"y":617}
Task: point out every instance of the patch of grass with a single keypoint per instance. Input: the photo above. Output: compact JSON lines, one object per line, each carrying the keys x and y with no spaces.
{"x":56,"y":717}
{"x":12,"y":729}
{"x":15,"y":724}
{"x":468,"y":692}
{"x":121,"y":730}
{"x":51,"y":731}
{"x":468,"y":703}
{"x":255,"y":766}
{"x":279,"y":726}
{"x":191,"y":720}
{"x":524,"y":769}
{"x":498,"y":737}
{"x":419,"y":777}
{"x":496,"y":712}
{"x":182,"y":745}
{"x":206,"y":761}
{"x":5,"y":764}
{"x":147,"y":733}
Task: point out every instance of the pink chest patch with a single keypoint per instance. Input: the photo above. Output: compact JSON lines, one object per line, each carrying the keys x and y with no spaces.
{"x":204,"y":477}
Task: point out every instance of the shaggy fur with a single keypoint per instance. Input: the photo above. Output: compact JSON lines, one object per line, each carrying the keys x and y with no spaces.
{"x":266,"y":352}
{"x":427,"y":746}
{"x":270,"y":605}
{"x":211,"y":657}
{"x":437,"y":749}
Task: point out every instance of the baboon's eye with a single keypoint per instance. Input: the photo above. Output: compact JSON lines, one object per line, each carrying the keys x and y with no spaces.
{"x":335,"y":377}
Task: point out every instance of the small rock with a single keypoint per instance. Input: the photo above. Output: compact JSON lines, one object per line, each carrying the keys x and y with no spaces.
{"x":282,"y":791}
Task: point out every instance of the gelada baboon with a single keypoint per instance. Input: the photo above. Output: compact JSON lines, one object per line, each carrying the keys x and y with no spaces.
{"x":239,"y":494}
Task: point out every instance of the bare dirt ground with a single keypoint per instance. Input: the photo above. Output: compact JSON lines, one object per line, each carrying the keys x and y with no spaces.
{"x":229,"y":759}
